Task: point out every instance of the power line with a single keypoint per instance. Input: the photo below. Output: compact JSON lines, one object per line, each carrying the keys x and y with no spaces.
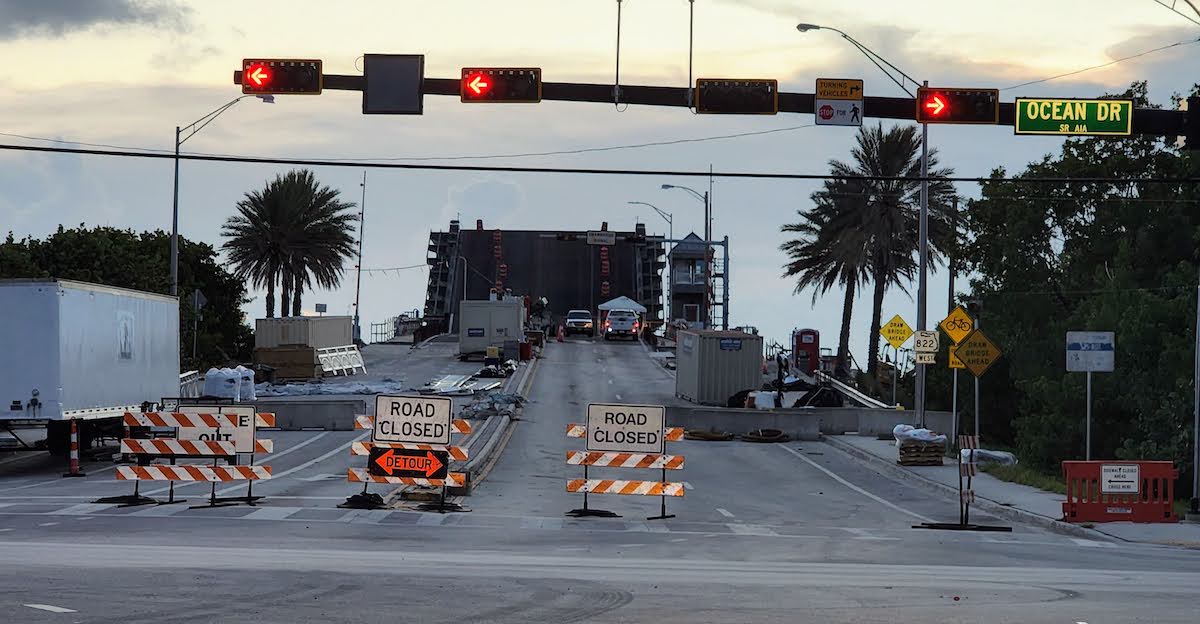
{"x":1114,"y":62}
{"x":585,"y":171}
{"x":402,"y":268}
{"x":1171,"y":8}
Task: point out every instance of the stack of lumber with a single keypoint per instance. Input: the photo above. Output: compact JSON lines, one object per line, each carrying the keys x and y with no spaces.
{"x":918,"y":453}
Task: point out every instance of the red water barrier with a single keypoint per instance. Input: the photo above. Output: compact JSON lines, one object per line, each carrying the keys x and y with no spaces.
{"x":1117,"y":491}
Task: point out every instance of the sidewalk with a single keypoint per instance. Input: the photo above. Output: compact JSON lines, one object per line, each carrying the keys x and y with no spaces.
{"x":1011,"y":500}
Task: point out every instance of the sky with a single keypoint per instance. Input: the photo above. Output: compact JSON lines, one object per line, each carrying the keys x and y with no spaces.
{"x":126,"y":72}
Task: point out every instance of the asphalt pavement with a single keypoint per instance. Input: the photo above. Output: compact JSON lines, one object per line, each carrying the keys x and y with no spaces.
{"x":795,"y":532}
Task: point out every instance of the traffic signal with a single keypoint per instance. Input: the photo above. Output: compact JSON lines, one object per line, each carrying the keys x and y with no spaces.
{"x":958,"y":106}
{"x":501,"y":84}
{"x":290,"y":76}
{"x":736,"y":96}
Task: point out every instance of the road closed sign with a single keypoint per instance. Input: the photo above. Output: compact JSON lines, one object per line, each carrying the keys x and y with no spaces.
{"x":626,"y":428}
{"x":415,"y":419}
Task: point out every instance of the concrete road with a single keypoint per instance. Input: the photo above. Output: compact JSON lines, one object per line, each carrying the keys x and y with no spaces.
{"x":792,"y":532}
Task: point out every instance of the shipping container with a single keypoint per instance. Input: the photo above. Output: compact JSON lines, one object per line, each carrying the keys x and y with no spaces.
{"x":84,"y":351}
{"x":711,"y":366}
{"x":484,"y":324}
{"x":318,"y":332}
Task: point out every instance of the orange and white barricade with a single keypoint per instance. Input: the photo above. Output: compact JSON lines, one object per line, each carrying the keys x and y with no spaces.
{"x":622,"y":459}
{"x":73,"y":460}
{"x":365,"y":500}
{"x":226,"y":421}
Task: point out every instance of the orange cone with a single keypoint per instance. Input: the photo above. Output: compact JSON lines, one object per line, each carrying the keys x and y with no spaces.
{"x":560,"y":332}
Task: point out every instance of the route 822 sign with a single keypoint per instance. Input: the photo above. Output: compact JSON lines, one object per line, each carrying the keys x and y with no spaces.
{"x":925,"y":342}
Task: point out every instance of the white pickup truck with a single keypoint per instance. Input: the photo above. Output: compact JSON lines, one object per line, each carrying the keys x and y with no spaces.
{"x":621,"y":323}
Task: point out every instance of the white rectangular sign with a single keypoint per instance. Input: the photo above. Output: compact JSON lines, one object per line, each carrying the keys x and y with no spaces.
{"x":1091,"y":351}
{"x":626,"y":428}
{"x":926,"y":358}
{"x":838,"y":112}
{"x":601,"y":238}
{"x":417,"y":419}
{"x":1119,"y":478}
{"x":242,"y":435}
{"x":925,"y":341}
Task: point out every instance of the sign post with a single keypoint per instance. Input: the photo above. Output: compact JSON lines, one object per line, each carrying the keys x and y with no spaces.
{"x":1090,"y":352}
{"x":957,"y":325}
{"x":896,"y":332}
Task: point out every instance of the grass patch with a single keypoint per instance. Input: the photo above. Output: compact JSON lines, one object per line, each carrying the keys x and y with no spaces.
{"x":1026,"y":476}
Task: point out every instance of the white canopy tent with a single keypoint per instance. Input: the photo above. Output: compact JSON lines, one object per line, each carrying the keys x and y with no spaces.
{"x":623,"y":303}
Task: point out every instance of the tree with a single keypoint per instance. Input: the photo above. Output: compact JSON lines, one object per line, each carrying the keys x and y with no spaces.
{"x":294,"y":233}
{"x":879,"y":216}
{"x":821,"y":260}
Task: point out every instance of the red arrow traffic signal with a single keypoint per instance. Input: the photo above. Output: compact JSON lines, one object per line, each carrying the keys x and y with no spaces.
{"x":500,"y":84}
{"x":290,"y":76}
{"x":934,"y":105}
{"x":958,"y":106}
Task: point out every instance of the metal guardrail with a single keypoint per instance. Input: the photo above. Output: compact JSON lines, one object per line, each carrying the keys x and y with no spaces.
{"x":343,"y":360}
{"x":851,"y":392}
{"x":190,"y":384}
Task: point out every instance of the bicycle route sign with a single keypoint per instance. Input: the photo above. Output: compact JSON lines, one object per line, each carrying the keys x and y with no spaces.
{"x":957,"y":324}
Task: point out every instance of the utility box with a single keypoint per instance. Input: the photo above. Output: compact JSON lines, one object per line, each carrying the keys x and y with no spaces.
{"x":711,"y":365}
{"x":74,"y":350}
{"x":484,"y":324}
{"x":318,"y":332}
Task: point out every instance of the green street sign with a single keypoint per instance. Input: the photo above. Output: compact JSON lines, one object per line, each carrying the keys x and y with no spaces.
{"x":1074,"y":117}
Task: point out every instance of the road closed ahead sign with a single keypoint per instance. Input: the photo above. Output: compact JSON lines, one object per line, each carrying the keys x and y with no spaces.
{"x":626,"y":428}
{"x":417,"y":419}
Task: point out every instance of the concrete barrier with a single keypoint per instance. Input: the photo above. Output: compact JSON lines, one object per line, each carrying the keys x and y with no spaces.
{"x":805,"y":423}
{"x":328,"y":414}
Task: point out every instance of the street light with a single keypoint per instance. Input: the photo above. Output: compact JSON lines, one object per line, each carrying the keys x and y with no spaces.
{"x":670,"y":219}
{"x":203,"y":121}
{"x":703,"y":197}
{"x":923,"y":227}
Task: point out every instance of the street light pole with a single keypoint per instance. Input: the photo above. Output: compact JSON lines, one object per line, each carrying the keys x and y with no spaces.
{"x":923,"y":225}
{"x":670,"y":219}
{"x":362,"y":220}
{"x":179,"y":140}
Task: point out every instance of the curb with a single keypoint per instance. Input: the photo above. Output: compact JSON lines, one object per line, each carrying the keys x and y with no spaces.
{"x":984,"y":504}
{"x":477,"y":466}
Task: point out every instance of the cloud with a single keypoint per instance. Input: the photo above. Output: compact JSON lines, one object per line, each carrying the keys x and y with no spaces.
{"x":55,"y":18}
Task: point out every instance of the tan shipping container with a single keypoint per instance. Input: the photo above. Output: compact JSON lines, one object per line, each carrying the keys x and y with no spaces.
{"x":318,"y":332}
{"x":711,"y":366}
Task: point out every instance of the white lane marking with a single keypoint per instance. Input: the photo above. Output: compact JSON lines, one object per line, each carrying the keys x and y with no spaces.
{"x":618,"y":397}
{"x":271,"y":513}
{"x":679,"y":539}
{"x":5,"y":530}
{"x":161,"y":511}
{"x":687,"y":485}
{"x":846,"y":483}
{"x":82,"y":509}
{"x":91,"y":473}
{"x":267,"y":459}
{"x":48,"y":524}
{"x":750,"y":529}
{"x":431,"y":519}
{"x":864,"y":534}
{"x":316,"y":460}
{"x":1092,"y":543}
{"x":7,"y":504}
{"x":51,"y":608}
{"x":610,"y":382}
{"x":20,"y":456}
{"x":724,"y":512}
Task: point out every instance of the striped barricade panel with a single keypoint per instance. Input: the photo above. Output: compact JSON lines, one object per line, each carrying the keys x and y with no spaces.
{"x":207,"y":448}
{"x":967,"y":496}
{"x":457,"y":453}
{"x":368,"y":422}
{"x":613,"y":486}
{"x":670,"y":434}
{"x":193,"y":473}
{"x":175,"y":419}
{"x":968,"y":442}
{"x":624,"y":460}
{"x":966,"y":469}
{"x":453,"y":479}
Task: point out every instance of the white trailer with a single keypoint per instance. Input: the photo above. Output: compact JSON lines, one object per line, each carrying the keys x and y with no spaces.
{"x":84,"y":352}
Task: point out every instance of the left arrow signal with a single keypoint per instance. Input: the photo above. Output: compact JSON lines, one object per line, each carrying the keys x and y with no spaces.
{"x":478,"y":84}
{"x":259,"y":76}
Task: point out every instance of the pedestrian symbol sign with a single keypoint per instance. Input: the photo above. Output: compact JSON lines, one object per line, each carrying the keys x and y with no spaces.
{"x":977,"y":353}
{"x":896,"y":332}
{"x":953,"y":359}
{"x":957,"y":324}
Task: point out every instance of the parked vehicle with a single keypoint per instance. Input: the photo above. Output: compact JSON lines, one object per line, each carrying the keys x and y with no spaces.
{"x":621,"y":323}
{"x":578,"y":322}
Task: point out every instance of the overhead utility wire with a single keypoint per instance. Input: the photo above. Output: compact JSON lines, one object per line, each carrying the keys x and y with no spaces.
{"x":587,"y":171}
{"x":1113,"y":62}
{"x":1171,"y":8}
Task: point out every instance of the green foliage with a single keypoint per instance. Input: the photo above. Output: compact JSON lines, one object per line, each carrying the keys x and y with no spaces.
{"x":123,"y":258}
{"x":1091,"y":256}
{"x":293,"y":232}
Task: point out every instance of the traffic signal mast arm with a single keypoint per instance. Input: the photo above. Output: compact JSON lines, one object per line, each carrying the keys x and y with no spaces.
{"x":1147,"y":121}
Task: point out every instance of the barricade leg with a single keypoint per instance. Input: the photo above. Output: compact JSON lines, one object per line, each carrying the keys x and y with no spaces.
{"x":441,"y":506}
{"x":662,"y":514}
{"x":585,"y":511}
{"x":171,"y":491}
{"x":213,"y":501}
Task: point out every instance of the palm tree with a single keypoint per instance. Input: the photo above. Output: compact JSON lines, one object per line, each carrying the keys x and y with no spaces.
{"x":819,"y":260}
{"x":293,"y":232}
{"x":878,"y":216}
